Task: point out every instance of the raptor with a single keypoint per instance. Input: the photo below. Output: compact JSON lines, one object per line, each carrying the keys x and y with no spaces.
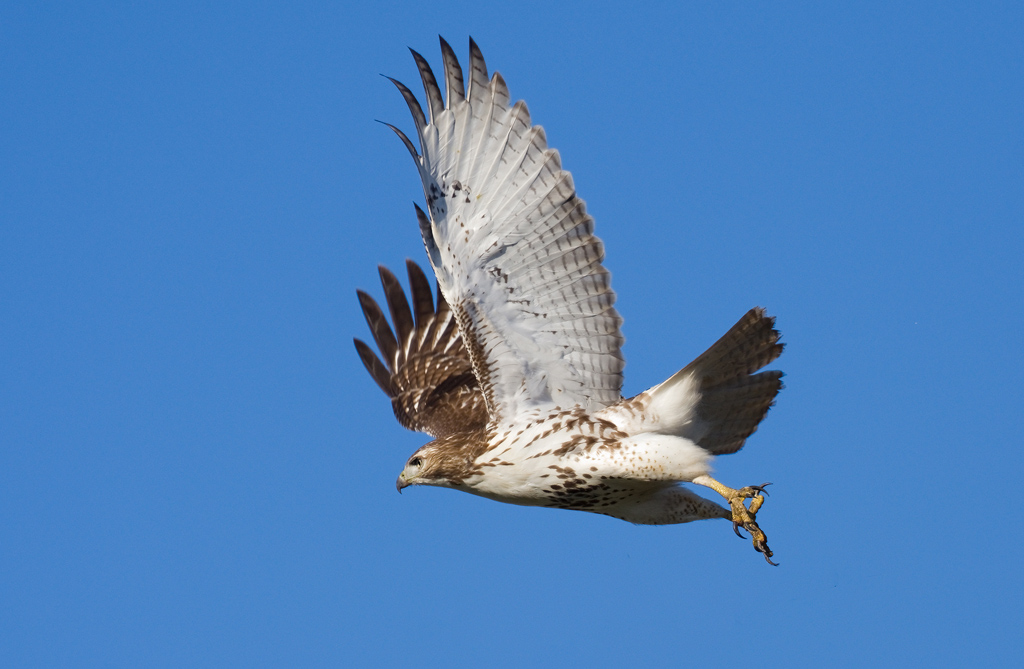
{"x":515,"y":366}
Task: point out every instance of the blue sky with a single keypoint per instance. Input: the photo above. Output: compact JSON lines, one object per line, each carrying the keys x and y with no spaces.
{"x":195,"y":470}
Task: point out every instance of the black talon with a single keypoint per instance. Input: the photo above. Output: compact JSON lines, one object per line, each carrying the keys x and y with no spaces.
{"x":762,"y":548}
{"x":736,"y":529}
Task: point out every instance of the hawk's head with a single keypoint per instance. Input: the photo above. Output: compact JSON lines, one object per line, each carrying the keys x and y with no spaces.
{"x":417,"y":469}
{"x":443,"y":462}
{"x":431,"y":465}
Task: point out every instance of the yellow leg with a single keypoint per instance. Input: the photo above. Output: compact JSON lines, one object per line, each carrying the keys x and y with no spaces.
{"x":741,"y":514}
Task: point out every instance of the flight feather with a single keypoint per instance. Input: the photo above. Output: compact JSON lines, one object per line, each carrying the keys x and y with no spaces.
{"x":513,"y":248}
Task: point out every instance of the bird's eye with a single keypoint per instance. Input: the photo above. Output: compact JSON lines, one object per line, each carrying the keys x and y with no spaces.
{"x":415,"y":462}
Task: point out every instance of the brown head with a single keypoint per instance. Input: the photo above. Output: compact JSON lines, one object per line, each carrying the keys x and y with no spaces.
{"x":444,"y":462}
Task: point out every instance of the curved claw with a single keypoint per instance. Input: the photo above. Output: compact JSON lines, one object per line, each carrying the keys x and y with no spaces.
{"x":759,"y":488}
{"x":761,"y":546}
{"x":760,"y":542}
{"x":736,"y":529}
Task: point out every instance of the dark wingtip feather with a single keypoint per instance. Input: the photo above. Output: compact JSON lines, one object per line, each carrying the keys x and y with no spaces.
{"x":405,"y":140}
{"x":434,"y":100}
{"x":379,"y":328}
{"x":477,"y":74}
{"x":401,"y":315}
{"x":414,"y":105}
{"x":378,"y":371}
{"x":422,"y":298}
{"x":454,"y":84}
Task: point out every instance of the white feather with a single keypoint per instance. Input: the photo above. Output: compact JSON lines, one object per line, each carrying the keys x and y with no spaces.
{"x":514,"y":248}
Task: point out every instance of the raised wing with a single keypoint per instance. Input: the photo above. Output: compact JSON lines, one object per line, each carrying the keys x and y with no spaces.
{"x":512,"y":247}
{"x":426,"y":370}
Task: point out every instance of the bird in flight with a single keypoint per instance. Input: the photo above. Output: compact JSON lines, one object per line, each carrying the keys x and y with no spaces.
{"x":515,"y":368}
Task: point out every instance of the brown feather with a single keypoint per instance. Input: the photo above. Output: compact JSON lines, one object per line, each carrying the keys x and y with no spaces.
{"x":422,"y":298}
{"x":377,"y":369}
{"x":401,"y":315}
{"x":379,"y":328}
{"x":426,"y":371}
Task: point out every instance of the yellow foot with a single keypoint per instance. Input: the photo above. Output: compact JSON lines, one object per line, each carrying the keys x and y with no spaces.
{"x":742,"y":515}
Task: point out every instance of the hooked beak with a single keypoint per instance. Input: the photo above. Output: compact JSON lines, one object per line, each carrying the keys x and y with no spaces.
{"x":401,"y":482}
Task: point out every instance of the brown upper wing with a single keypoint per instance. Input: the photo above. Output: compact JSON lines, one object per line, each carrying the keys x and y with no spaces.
{"x":426,"y":370}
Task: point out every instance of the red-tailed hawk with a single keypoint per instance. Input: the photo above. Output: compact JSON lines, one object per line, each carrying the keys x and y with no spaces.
{"x":516,"y":370}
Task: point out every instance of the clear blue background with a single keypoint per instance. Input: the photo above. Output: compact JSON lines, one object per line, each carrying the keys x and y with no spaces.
{"x":195,"y":470}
